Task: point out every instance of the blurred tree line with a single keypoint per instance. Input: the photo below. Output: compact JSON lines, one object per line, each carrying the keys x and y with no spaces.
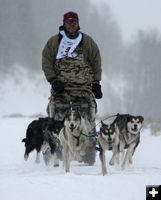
{"x":131,"y":71}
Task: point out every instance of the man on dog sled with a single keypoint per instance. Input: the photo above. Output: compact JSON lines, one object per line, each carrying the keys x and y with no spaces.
{"x":72,"y":65}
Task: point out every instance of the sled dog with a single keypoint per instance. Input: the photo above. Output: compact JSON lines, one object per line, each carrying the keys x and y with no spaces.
{"x":128,"y":128}
{"x":42,"y":136}
{"x":73,"y":138}
{"x":106,"y":139}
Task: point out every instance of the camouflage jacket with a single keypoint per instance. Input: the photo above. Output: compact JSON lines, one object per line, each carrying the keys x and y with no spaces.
{"x":54,"y":69}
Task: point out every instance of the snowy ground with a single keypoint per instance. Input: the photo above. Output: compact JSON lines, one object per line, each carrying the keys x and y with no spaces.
{"x":26,"y":180}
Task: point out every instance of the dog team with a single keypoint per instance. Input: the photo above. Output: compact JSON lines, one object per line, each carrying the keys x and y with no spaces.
{"x":67,"y":140}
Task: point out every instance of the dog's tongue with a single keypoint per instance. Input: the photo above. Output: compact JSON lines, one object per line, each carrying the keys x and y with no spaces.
{"x":72,"y":129}
{"x":110,"y":144}
{"x":134,"y":129}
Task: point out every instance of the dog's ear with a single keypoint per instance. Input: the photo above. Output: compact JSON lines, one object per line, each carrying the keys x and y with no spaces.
{"x":66,"y":113}
{"x":141,"y":118}
{"x":102,"y":123}
{"x":80,"y":115}
{"x":128,"y":117}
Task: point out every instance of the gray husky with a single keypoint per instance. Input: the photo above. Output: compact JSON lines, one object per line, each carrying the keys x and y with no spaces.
{"x":106,"y":140}
{"x":127,"y":127}
{"x":73,"y":138}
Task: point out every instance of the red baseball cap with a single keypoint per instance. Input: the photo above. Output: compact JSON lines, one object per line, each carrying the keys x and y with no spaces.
{"x":70,"y":15}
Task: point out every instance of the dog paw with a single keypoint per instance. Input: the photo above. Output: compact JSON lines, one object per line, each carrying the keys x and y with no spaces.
{"x":111,"y":162}
{"x":104,"y":172}
{"x":130,"y":161}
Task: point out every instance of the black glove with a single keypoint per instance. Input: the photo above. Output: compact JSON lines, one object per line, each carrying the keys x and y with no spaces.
{"x":58,"y":86}
{"x":96,"y":89}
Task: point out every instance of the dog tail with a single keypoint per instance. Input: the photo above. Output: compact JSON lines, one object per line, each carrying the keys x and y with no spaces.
{"x":24,"y":140}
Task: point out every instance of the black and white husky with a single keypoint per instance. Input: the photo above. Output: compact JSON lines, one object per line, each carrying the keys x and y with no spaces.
{"x":128,"y":128}
{"x":106,"y":140}
{"x":42,"y":136}
{"x":73,"y":138}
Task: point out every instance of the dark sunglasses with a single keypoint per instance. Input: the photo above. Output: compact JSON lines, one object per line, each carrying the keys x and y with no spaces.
{"x":71,"y":21}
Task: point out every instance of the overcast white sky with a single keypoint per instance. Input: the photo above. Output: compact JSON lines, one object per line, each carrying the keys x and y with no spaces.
{"x":135,"y":14}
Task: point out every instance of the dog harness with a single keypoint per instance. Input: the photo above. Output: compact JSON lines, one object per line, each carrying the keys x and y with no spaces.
{"x":76,"y":137}
{"x":128,"y":141}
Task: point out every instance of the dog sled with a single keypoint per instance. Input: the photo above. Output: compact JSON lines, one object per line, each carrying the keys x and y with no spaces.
{"x":87,"y":108}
